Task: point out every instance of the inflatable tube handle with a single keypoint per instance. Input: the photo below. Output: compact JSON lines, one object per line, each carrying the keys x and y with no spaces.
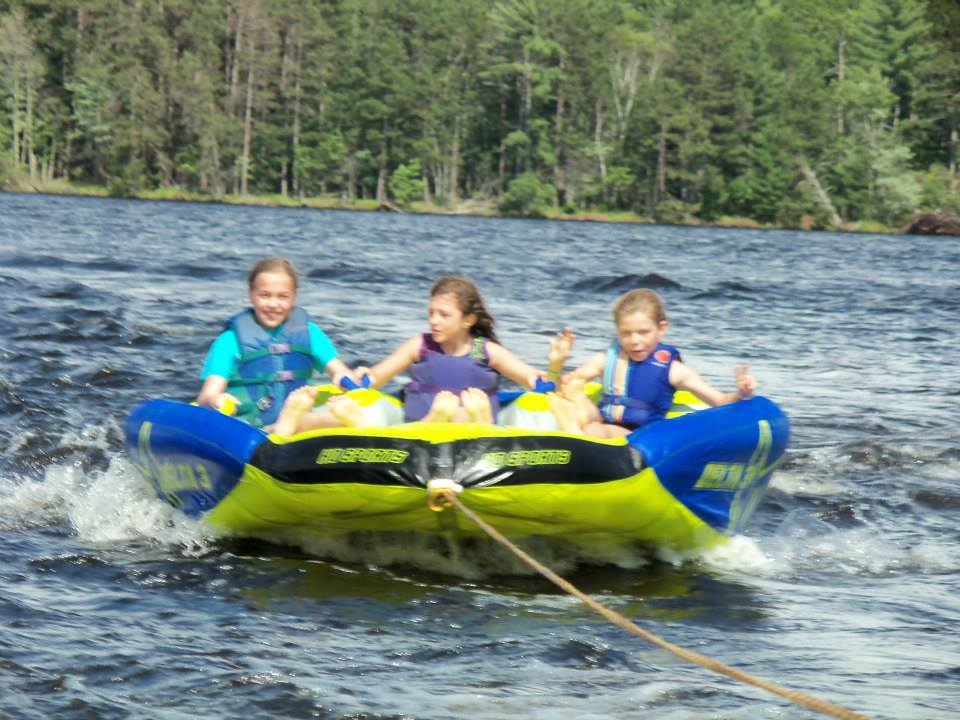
{"x":544,"y":386}
{"x":347,"y":382}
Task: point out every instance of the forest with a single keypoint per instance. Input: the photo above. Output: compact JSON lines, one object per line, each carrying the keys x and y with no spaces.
{"x":788,"y":113}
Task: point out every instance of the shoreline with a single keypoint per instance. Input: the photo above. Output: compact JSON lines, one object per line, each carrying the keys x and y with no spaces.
{"x":465,"y":208}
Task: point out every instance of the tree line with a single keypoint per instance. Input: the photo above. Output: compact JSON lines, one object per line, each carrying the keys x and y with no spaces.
{"x":788,"y":112}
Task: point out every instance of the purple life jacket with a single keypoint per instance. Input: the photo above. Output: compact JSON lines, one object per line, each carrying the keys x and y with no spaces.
{"x":436,"y":371}
{"x":637,"y":393}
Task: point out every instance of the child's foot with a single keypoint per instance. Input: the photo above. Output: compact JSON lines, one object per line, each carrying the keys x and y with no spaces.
{"x":445,"y":406}
{"x":477,"y":405}
{"x":574,"y":390}
{"x":346,"y":410}
{"x":565,"y":411}
{"x":297,"y":404}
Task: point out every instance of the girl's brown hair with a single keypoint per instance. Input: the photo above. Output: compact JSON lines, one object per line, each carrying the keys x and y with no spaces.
{"x":469,"y":300}
{"x":273,"y":264}
{"x":645,"y":301}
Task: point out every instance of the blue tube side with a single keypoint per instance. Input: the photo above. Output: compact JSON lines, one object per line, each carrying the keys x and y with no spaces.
{"x":718,"y":462}
{"x":193,"y":456}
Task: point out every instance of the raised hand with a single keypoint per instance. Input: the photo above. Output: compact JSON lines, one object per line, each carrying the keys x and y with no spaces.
{"x":746,"y":383}
{"x":560,"y":348}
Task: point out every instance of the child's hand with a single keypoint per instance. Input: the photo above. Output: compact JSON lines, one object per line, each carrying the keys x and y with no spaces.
{"x":226,"y":403}
{"x":560,"y":348}
{"x":746,"y":383}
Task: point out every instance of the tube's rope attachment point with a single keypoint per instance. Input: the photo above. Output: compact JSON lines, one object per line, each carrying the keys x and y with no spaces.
{"x":439,"y":492}
{"x":443,"y":494}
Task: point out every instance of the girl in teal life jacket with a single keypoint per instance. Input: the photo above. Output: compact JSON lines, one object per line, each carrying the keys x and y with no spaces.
{"x":640,"y":374}
{"x":267,"y":350}
{"x":455,"y":368}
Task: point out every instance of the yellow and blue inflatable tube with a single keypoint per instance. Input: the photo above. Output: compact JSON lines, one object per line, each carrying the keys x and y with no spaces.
{"x":683,"y":483}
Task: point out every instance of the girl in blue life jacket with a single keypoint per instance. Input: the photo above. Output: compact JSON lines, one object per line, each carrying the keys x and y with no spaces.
{"x":267,"y":350}
{"x":455,"y":368}
{"x":640,"y":374}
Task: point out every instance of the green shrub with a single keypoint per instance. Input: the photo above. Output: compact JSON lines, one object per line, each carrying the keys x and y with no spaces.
{"x":939,"y":190}
{"x":527,"y":196}
{"x":672,"y":211}
{"x":406,"y":185}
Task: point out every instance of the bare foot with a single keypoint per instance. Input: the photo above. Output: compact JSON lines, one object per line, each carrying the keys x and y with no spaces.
{"x":346,"y":410}
{"x":574,"y":390}
{"x":477,"y":404}
{"x":297,"y":404}
{"x":565,"y":411}
{"x":445,"y":406}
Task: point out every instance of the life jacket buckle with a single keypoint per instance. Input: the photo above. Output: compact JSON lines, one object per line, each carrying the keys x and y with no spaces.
{"x":264,"y":403}
{"x":284,"y":376}
{"x":279,"y":348}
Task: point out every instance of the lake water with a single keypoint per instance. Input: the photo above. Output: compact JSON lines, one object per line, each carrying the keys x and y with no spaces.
{"x":846,"y":585}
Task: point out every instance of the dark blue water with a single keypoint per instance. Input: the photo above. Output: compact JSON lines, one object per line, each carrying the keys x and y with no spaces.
{"x":847,"y":585}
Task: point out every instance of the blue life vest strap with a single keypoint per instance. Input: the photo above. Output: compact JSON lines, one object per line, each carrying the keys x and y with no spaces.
{"x":615,"y":381}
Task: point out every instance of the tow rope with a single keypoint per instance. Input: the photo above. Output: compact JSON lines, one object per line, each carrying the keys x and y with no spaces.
{"x":443,"y":493}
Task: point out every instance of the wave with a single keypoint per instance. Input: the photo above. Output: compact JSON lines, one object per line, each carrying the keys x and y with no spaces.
{"x":728,"y":290}
{"x":192,"y":270}
{"x":111,"y":506}
{"x":33,"y":261}
{"x":68,"y":291}
{"x":625,"y":282}
{"x":805,"y":541}
{"x":347,"y":272}
{"x":10,"y":400}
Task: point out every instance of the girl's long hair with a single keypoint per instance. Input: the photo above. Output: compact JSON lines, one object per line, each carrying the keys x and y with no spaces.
{"x":469,"y":300}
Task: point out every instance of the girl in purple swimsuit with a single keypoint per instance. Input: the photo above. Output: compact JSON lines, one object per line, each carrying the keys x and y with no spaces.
{"x":455,"y":368}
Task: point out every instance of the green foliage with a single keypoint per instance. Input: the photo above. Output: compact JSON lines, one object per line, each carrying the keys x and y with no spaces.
{"x":898,"y":192}
{"x":939,"y":191}
{"x":6,"y":173}
{"x":527,"y":196}
{"x":674,"y":212}
{"x":685,"y":110}
{"x":618,"y":183}
{"x":318,"y":156}
{"x":128,"y":183}
{"x":406,"y":184}
{"x":6,"y":142}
